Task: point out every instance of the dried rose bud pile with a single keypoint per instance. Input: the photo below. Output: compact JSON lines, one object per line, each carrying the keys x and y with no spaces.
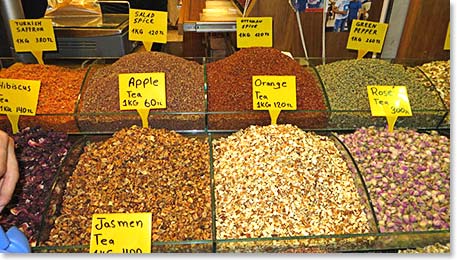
{"x":139,"y":170}
{"x":278,"y":180}
{"x":407,"y":175}
{"x":39,"y":154}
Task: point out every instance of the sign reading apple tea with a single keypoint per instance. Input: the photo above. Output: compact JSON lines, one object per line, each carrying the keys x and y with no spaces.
{"x":142,"y":92}
{"x":366,"y":36}
{"x":254,"y":32}
{"x":389,"y":101}
{"x":148,"y":26}
{"x":121,"y":233}
{"x":33,"y":35}
{"x":274,"y":93}
{"x":18,"y":97}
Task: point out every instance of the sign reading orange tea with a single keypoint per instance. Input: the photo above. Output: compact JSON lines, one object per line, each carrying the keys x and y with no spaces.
{"x":274,"y":93}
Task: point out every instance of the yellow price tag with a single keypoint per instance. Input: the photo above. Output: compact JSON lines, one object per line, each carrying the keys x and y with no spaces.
{"x":254,"y":32}
{"x":121,"y":233}
{"x":447,"y":42}
{"x":366,"y":36}
{"x":18,"y":97}
{"x":389,"y":101}
{"x":142,"y":91}
{"x":33,"y":35}
{"x":148,"y":27}
{"x":274,"y":93}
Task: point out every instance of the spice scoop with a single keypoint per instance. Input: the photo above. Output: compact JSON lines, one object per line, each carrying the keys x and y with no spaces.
{"x":13,"y":241}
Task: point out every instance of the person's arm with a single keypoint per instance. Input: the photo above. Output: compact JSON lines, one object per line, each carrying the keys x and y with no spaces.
{"x":9,"y":170}
{"x":337,"y":11}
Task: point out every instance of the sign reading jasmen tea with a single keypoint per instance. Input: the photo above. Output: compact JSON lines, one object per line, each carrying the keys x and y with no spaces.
{"x":18,"y":97}
{"x":33,"y":35}
{"x":274,"y":93}
{"x":366,"y":36}
{"x":121,"y":233}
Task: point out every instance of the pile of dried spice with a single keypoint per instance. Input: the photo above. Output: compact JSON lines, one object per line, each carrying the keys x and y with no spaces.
{"x":346,"y":84}
{"x":60,"y":87}
{"x":280,"y":181}
{"x":436,"y":248}
{"x":100,"y":109}
{"x":439,"y":73}
{"x":139,"y":170}
{"x":230,"y":90}
{"x":407,"y":175}
{"x":39,"y":154}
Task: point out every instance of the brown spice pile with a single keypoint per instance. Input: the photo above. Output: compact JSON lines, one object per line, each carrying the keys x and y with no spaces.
{"x":139,"y":170}
{"x":230,"y":89}
{"x":60,"y":87}
{"x":184,"y":81}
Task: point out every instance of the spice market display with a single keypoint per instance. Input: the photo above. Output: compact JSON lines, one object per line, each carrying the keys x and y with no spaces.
{"x":213,"y":173}
{"x":40,"y":154}
{"x":346,"y":82}
{"x":230,"y":90}
{"x":60,"y":87}
{"x":99,"y":108}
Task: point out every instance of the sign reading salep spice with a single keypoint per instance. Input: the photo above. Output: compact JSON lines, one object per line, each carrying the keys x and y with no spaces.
{"x":18,"y":97}
{"x":389,"y":101}
{"x":142,"y":91}
{"x":121,"y":233}
{"x":366,"y":36}
{"x":254,"y":32}
{"x":274,"y":93}
{"x":33,"y":35}
{"x":148,"y":27}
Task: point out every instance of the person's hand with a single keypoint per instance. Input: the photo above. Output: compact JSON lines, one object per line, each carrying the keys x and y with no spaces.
{"x":9,"y":170}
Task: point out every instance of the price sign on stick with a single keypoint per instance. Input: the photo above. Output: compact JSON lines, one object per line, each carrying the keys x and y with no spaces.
{"x":18,"y":97}
{"x":274,"y":93}
{"x":142,"y":92}
{"x":121,"y":233}
{"x":254,"y":32}
{"x":447,"y":42}
{"x":33,"y":35}
{"x":389,"y":101}
{"x":148,"y":27}
{"x":366,"y":36}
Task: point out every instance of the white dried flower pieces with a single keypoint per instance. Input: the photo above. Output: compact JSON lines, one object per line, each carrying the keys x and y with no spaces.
{"x":278,"y":180}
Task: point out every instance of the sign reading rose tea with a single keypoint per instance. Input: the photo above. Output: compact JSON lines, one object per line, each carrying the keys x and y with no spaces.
{"x":125,"y":233}
{"x":33,"y":35}
{"x":18,"y":97}
{"x":389,"y":101}
{"x":254,"y":32}
{"x":274,"y":93}
{"x":142,"y":92}
{"x":148,"y":27}
{"x":366,"y":36}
